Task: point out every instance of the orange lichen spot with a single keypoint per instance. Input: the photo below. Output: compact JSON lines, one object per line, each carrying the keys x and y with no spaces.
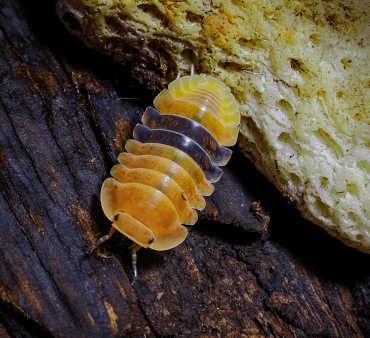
{"x":324,"y":137}
{"x":342,"y":95}
{"x":288,"y":37}
{"x":322,"y":94}
{"x":316,"y":38}
{"x":353,"y":189}
{"x":150,"y":213}
{"x":37,"y":219}
{"x":3,"y":160}
{"x":161,"y":182}
{"x":91,"y":318}
{"x":347,"y":63}
{"x":123,"y":131}
{"x":175,"y":155}
{"x":112,"y":316}
{"x":220,"y":28}
{"x":31,"y":296}
{"x":300,"y":67}
{"x":358,"y":116}
{"x":169,"y":168}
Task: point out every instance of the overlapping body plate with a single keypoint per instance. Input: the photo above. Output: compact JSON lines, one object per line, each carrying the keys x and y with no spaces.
{"x":153,"y":119}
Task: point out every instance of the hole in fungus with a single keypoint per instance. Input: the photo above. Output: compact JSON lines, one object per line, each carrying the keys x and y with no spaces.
{"x":73,"y":24}
{"x":250,"y":44}
{"x":347,"y":63}
{"x":202,"y":41}
{"x":295,"y":179}
{"x":239,"y":3}
{"x":322,"y":94}
{"x":113,"y":23}
{"x":286,"y":139}
{"x":269,"y":16}
{"x":300,"y":67}
{"x":366,"y":208}
{"x":348,"y":8}
{"x":332,"y":19}
{"x":353,"y":189}
{"x":315,"y":38}
{"x":359,"y":237}
{"x":154,"y":13}
{"x":188,"y":56}
{"x":257,"y":136}
{"x":352,"y":216}
{"x":322,"y":208}
{"x":286,"y":108}
{"x":231,"y":66}
{"x":257,"y":95}
{"x":342,"y":95}
{"x":324,"y":182}
{"x":364,"y":165}
{"x":365,"y":139}
{"x":325,"y":138}
{"x":159,"y":55}
{"x":194,"y":18}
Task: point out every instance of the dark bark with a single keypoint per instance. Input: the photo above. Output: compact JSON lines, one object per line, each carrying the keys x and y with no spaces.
{"x":238,"y":274}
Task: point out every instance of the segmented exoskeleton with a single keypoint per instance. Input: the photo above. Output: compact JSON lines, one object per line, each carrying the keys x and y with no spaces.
{"x":171,"y":162}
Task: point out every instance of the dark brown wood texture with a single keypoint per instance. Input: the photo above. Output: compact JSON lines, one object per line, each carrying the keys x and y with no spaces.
{"x":250,"y":267}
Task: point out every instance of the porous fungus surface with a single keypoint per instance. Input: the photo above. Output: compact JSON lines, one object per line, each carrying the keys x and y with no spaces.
{"x":299,"y":69}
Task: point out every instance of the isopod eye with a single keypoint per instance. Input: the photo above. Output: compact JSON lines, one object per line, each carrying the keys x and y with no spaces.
{"x":116,"y":217}
{"x":151,"y":240}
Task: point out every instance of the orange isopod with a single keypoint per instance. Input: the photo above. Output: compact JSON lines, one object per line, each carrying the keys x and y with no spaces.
{"x":171,"y":163}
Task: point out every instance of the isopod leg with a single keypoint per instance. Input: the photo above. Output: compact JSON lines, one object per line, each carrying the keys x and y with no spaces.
{"x":135,"y":248}
{"x":102,"y":239}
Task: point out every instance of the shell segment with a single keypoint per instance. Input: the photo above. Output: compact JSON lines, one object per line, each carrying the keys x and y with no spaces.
{"x":166,"y":103}
{"x":182,"y":143}
{"x":175,"y":155}
{"x":208,"y":93}
{"x":161,"y":182}
{"x":153,"y":119}
{"x":169,"y":168}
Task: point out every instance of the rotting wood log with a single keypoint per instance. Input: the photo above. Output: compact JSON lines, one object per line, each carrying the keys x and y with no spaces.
{"x":62,"y":126}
